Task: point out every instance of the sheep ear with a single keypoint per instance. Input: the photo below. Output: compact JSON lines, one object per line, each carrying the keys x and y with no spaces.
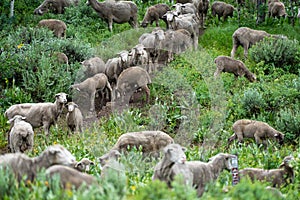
{"x":92,"y":163}
{"x":57,"y":95}
{"x":76,"y":105}
{"x":78,"y":164}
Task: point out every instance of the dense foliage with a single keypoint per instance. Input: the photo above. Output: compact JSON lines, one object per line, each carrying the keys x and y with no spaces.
{"x":186,"y":100}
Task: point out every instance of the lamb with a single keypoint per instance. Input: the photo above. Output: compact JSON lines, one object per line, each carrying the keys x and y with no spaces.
{"x":71,"y":177}
{"x":93,"y":66}
{"x":237,"y":67}
{"x":22,"y":165}
{"x":57,"y":26}
{"x":39,"y":114}
{"x":84,"y":165}
{"x":277,"y":177}
{"x":222,"y":9}
{"x":204,"y":173}
{"x":154,"y":13}
{"x":21,"y":135}
{"x":258,"y":130}
{"x":116,"y":11}
{"x":74,"y":117}
{"x":130,"y":80}
{"x":276,"y":9}
{"x":91,"y":85}
{"x":55,"y":6}
{"x":140,"y":57}
{"x":247,"y":37}
{"x":150,"y":142}
{"x":173,"y":164}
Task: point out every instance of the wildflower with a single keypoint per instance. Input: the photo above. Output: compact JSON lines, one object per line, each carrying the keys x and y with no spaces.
{"x":20,"y":46}
{"x":54,"y":142}
{"x":28,"y":182}
{"x":47,"y":183}
{"x":133,"y":188}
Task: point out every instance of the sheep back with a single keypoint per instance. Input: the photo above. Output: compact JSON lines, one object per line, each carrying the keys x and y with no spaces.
{"x":93,"y":66}
{"x":222,"y":9}
{"x":154,"y":13}
{"x":276,"y":9}
{"x":57,"y":26}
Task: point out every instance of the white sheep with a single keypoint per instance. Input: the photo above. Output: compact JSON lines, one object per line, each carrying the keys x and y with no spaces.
{"x":93,"y":66}
{"x":203,"y":173}
{"x":71,"y":177}
{"x":39,"y":114}
{"x":84,"y":165}
{"x":21,"y":135}
{"x":173,"y":164}
{"x":140,"y":57}
{"x":91,"y":86}
{"x":283,"y":175}
{"x":22,"y":165}
{"x":110,"y":164}
{"x":258,"y":130}
{"x":74,"y":117}
{"x":185,"y":8}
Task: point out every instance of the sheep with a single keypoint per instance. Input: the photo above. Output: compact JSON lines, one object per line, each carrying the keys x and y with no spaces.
{"x":55,"y":6}
{"x":173,"y":164}
{"x":39,"y":114}
{"x":186,"y":8}
{"x":84,"y":165}
{"x":258,"y":130}
{"x":204,"y":173}
{"x":22,"y":165}
{"x":237,"y":67}
{"x":116,"y":11}
{"x":61,"y":58}
{"x":150,"y":142}
{"x":129,"y":81}
{"x":93,"y":66}
{"x":21,"y":135}
{"x":276,"y":9}
{"x":91,"y":85}
{"x":110,"y":164}
{"x":277,"y":177}
{"x":202,"y":6}
{"x":222,"y":9}
{"x":247,"y":37}
{"x":70,"y":177}
{"x":154,"y":13}
{"x":140,"y":57}
{"x":74,"y":117}
{"x":57,"y":26}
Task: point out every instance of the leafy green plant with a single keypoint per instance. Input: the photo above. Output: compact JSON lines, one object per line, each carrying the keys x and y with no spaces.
{"x":252,"y":101}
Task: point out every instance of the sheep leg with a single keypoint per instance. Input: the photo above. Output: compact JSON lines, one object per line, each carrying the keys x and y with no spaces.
{"x":231,"y":138}
{"x":257,"y":138}
{"x":46,"y":127}
{"x":110,"y":22}
{"x":246,"y":47}
{"x":234,"y":48}
{"x":92,"y":97}
{"x":147,"y":90}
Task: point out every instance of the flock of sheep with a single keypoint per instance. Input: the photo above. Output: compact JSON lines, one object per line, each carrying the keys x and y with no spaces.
{"x":119,"y":78}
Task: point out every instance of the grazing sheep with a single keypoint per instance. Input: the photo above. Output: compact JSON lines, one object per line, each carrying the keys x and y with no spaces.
{"x":283,"y":175}
{"x":222,"y":9}
{"x":93,"y":66}
{"x":21,"y":135}
{"x":71,"y":177}
{"x":154,"y":13}
{"x":258,"y":130}
{"x":39,"y":114}
{"x":61,"y":57}
{"x":57,"y":26}
{"x":55,"y":6}
{"x":173,"y":164}
{"x":186,"y":8}
{"x":74,"y":118}
{"x":110,"y":164}
{"x":237,"y":67}
{"x":276,"y":9}
{"x":91,"y":85}
{"x":150,"y":142}
{"x":116,"y":11}
{"x":204,"y":173}
{"x":22,"y":165}
{"x":140,"y":57}
{"x":130,"y":80}
{"x":247,"y":37}
{"x":84,"y":165}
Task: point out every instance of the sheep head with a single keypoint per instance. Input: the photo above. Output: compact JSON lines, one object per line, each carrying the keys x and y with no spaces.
{"x":58,"y":155}
{"x":175,"y":153}
{"x":71,"y":106}
{"x":279,"y":137}
{"x":84,"y":165}
{"x":111,"y":155}
{"x":61,"y":98}
{"x":222,"y":160}
{"x":16,"y":118}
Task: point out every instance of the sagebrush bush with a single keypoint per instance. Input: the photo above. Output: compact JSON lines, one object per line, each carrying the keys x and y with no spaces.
{"x":253,"y":101}
{"x":282,"y":53}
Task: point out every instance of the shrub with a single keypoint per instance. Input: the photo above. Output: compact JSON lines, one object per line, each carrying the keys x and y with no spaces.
{"x":252,"y":101}
{"x":282,"y":53}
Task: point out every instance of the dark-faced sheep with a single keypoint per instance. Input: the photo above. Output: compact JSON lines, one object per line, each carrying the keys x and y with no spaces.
{"x":129,"y":81}
{"x":21,"y":135}
{"x":276,"y":9}
{"x":22,"y":165}
{"x":258,"y":130}
{"x":154,"y":13}
{"x":39,"y":114}
{"x":93,"y":66}
{"x":71,"y":177}
{"x":237,"y":67}
{"x":222,"y":9}
{"x":74,"y":118}
{"x":55,"y":6}
{"x":57,"y":26}
{"x":84,"y":165}
{"x":247,"y":37}
{"x":116,"y":11}
{"x":203,"y":173}
{"x":91,"y":85}
{"x":173,"y":164}
{"x":277,"y":177}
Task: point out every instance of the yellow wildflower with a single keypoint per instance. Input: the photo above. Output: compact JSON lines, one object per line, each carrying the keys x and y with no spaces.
{"x":46,"y":183}
{"x":20,"y":46}
{"x":133,"y":188}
